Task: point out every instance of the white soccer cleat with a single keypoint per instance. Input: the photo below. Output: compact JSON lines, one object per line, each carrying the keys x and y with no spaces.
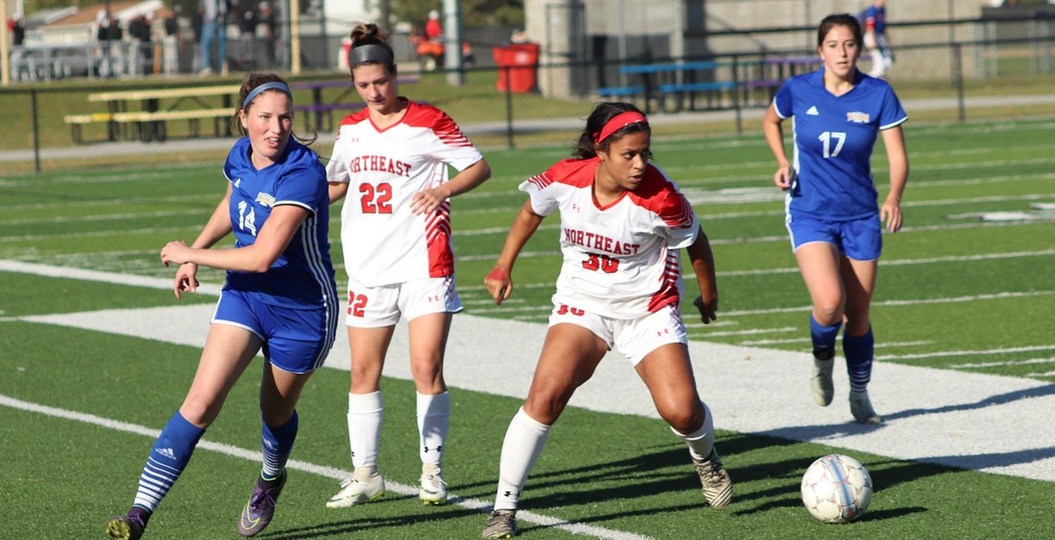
{"x":433,"y":489}
{"x":861,"y":408}
{"x":717,"y":486}
{"x":501,"y":524}
{"x":354,"y":492}
{"x":821,"y":379}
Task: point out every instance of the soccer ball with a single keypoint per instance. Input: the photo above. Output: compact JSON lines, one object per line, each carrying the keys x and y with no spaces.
{"x":836,"y":489}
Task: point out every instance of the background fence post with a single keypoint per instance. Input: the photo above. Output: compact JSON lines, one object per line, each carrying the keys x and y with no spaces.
{"x":36,"y":128}
{"x":957,"y":80}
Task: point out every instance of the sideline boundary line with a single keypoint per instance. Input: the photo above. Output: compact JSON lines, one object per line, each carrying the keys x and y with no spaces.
{"x":319,"y":470}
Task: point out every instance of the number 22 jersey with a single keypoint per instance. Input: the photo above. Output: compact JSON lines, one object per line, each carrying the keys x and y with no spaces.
{"x":384,"y":242}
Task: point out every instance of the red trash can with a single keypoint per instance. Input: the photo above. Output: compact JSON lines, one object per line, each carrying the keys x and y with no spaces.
{"x":517,"y":67}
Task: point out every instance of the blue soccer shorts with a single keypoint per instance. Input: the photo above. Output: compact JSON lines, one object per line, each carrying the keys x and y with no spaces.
{"x":295,"y":340}
{"x":860,"y":240}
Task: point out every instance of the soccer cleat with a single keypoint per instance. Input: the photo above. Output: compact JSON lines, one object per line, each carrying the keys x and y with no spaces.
{"x":260,"y":509}
{"x":354,"y":492}
{"x":821,"y":380}
{"x":861,"y":408}
{"x":717,"y":486}
{"x":433,"y":489}
{"x":501,"y":524}
{"x":127,"y":527}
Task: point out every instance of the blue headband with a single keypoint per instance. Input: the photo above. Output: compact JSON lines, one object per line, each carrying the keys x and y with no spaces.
{"x":274,"y":85}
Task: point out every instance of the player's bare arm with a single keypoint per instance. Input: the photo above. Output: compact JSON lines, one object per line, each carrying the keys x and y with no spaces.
{"x":430,"y":199}
{"x":337,"y":191}
{"x":897,"y":156}
{"x":702,"y":259}
{"x":499,"y":282}
{"x":218,"y":226}
{"x":774,"y":134}
{"x":275,"y":235}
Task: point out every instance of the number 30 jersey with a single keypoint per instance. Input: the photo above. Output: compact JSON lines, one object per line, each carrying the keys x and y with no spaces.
{"x":623,"y":260}
{"x":384,"y":242}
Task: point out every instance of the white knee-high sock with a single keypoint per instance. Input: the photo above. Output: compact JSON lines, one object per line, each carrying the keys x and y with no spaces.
{"x":521,"y":448}
{"x":434,"y":421}
{"x":701,"y":441}
{"x":365,"y":415}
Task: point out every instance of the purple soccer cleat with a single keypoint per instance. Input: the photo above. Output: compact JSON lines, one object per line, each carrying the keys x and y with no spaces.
{"x":261,"y":506}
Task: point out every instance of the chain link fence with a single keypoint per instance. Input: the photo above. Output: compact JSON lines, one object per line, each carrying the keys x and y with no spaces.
{"x":998,"y":70}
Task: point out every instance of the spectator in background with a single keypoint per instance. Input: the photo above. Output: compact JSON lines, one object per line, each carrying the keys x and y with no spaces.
{"x":171,"y":41}
{"x":109,"y":36}
{"x":433,"y":27}
{"x":143,"y":56}
{"x":214,"y":30}
{"x":875,"y":38}
{"x":247,"y":24}
{"x":266,"y":31}
{"x":17,"y":26}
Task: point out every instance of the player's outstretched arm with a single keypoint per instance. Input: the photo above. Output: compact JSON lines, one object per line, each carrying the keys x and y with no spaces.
{"x":218,"y":226}
{"x":499,"y":282}
{"x":702,"y":259}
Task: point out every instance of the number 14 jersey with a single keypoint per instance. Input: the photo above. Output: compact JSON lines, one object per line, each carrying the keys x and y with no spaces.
{"x":622,"y":260}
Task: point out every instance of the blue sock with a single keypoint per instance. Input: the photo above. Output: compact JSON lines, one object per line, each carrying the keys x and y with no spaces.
{"x":859,"y":351}
{"x":278,"y":443}
{"x":823,"y":338}
{"x":168,"y":458}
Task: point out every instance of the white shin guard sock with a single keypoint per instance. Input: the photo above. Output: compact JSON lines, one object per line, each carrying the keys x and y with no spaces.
{"x":434,"y":421}
{"x":521,"y":448}
{"x":701,"y":441}
{"x":365,"y":416}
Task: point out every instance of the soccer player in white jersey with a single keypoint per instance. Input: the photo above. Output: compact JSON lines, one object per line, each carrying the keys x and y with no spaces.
{"x":832,"y":214}
{"x":623,"y":224}
{"x":279,"y":297}
{"x":391,"y":160}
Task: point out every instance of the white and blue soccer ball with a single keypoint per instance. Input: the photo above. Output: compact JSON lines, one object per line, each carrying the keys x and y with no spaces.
{"x":836,"y":489}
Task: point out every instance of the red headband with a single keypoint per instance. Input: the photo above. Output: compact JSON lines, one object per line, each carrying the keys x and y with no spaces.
{"x":618,"y":122}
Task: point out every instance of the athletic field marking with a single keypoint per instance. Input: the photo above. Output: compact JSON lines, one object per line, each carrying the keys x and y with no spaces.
{"x":789,"y":341}
{"x":792,"y":269}
{"x":1002,"y":364}
{"x":752,"y":332}
{"x":945,"y":354}
{"x":797,"y":309}
{"x":944,"y":404}
{"x":949,"y":300}
{"x":319,"y":470}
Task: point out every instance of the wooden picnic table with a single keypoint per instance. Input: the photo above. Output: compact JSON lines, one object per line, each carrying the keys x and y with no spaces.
{"x":151,"y":117}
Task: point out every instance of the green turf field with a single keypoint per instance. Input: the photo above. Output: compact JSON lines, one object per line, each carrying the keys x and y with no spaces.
{"x":967,"y":286}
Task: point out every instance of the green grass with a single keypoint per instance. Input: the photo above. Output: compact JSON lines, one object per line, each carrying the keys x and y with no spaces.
{"x":950,"y":282}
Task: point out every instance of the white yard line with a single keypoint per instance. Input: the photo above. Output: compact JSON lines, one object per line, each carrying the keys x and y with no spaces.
{"x":320,"y":470}
{"x":964,"y":416}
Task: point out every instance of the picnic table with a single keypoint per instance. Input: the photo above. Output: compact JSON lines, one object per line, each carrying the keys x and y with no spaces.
{"x":147,"y":111}
{"x":677,"y":82}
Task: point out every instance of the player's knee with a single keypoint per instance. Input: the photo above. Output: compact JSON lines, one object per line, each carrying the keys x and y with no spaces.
{"x":683,"y":418}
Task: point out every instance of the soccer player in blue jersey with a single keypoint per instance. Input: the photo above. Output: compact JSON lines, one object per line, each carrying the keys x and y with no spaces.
{"x":875,"y":39}
{"x":832,"y":215}
{"x":279,"y":297}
